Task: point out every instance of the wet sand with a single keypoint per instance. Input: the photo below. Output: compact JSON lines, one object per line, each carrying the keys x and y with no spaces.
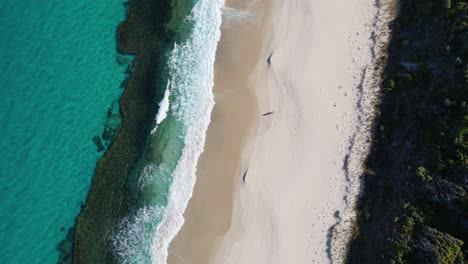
{"x":221,"y":166}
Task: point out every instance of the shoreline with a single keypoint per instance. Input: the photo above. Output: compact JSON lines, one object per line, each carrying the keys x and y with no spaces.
{"x":107,"y":200}
{"x":262,"y":209}
{"x":142,"y":184}
{"x":233,"y":117}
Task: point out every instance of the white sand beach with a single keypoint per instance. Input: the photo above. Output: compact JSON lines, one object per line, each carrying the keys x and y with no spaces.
{"x":303,"y":161}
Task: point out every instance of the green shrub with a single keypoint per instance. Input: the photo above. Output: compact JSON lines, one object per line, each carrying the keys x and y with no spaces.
{"x":423,"y":174}
{"x":462,"y":138}
{"x":408,"y":226}
{"x":391,"y":84}
{"x":448,"y":4}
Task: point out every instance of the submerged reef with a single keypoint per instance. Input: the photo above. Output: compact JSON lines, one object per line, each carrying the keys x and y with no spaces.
{"x":414,"y":206}
{"x":150,"y":29}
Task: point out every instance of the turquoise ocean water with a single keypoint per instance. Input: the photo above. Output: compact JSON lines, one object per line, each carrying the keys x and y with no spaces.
{"x":165,"y":181}
{"x":59,"y":76}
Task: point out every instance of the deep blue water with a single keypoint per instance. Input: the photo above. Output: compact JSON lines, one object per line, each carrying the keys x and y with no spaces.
{"x":59,"y":76}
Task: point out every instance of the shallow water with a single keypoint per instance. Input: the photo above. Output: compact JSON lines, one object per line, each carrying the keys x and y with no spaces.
{"x":59,"y":77}
{"x":167,"y":178}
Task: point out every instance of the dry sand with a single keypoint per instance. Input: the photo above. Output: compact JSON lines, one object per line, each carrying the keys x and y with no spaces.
{"x":304,"y":160}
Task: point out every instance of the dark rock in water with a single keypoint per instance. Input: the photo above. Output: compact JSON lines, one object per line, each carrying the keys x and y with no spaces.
{"x":97,"y":140}
{"x":62,"y":228}
{"x":111,"y":127}
{"x":65,"y":248}
{"x":123,"y":60}
{"x":113,"y":123}
{"x":129,"y":69}
{"x":113,"y":109}
{"x":124,"y":83}
{"x":143,"y":35}
{"x":106,"y":134}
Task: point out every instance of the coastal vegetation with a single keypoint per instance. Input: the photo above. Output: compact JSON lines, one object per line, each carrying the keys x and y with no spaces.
{"x":414,"y":205}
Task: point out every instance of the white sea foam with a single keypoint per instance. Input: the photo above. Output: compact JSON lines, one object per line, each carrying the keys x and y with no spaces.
{"x":238,"y":14}
{"x":191,"y":70}
{"x":163,"y":108}
{"x":135,"y":232}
